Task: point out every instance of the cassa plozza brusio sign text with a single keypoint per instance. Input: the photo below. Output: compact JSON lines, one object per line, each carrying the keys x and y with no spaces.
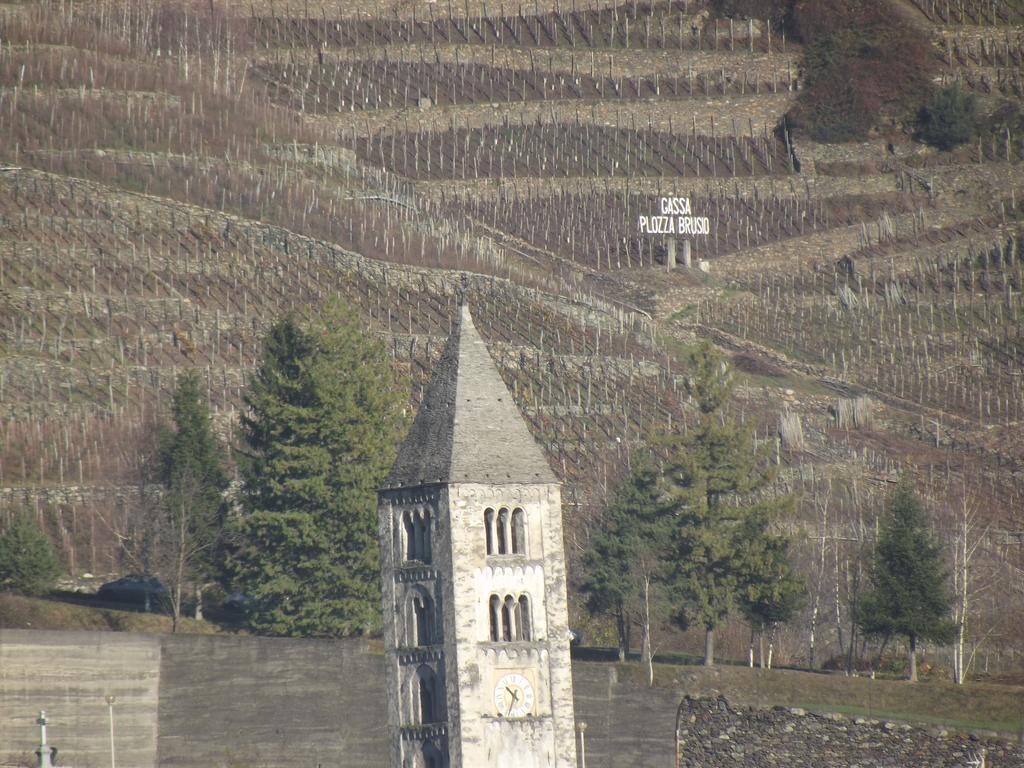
{"x":674,"y":217}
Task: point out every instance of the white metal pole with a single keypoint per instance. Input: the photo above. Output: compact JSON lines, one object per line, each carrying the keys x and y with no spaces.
{"x":110,"y":709}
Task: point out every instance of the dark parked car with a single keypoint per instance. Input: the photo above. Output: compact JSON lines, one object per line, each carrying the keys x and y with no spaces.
{"x":236,"y":601}
{"x":138,"y":590}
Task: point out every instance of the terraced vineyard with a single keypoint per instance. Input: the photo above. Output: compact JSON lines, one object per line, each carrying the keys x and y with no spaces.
{"x":670,"y":25}
{"x":172,"y":179}
{"x":364,"y":84}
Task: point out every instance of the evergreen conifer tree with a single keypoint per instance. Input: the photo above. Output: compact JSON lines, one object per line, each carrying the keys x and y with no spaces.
{"x":717,"y":481}
{"x":27,"y":561}
{"x":185,"y":525}
{"x":772,"y":592}
{"x":909,"y":592}
{"x":628,"y":555}
{"x":949,"y":118}
{"x":325,"y":417}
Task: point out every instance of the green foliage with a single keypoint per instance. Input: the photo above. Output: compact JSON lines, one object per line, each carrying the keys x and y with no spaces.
{"x":629,"y":547}
{"x":861,"y":62}
{"x":324,"y":422}
{"x":909,"y":592}
{"x":723,"y":555}
{"x":949,"y":118}
{"x":1005,"y":121}
{"x":712,"y":381}
{"x":27,"y":561}
{"x":774,"y":10}
{"x":190,"y":466}
{"x":772,"y":592}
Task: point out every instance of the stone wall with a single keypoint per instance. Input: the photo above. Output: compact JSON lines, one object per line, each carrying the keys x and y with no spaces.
{"x":713,"y":734}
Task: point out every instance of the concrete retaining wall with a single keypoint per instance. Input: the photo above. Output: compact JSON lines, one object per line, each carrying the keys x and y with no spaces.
{"x":626,"y":725}
{"x":69,"y":674}
{"x":246,"y":701}
{"x":224,"y":701}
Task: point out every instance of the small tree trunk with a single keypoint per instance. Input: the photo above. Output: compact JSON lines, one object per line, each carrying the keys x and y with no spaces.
{"x":199,"y":602}
{"x":647,"y":656}
{"x":620,"y":625}
{"x":179,"y":579}
{"x":175,"y":607}
{"x":913,"y":658}
{"x":881,"y":654}
{"x":751,"y":651}
{"x":963,"y":557}
{"x":709,"y":647}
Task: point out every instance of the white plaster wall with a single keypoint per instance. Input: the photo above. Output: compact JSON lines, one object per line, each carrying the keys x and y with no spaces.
{"x":534,"y":742}
{"x":515,"y":580}
{"x":462,"y":577}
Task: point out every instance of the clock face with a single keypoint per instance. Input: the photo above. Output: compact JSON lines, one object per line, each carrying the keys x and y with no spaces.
{"x":513,"y":696}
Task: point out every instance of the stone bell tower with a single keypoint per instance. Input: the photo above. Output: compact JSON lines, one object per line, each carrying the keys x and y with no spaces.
{"x":476,"y":636}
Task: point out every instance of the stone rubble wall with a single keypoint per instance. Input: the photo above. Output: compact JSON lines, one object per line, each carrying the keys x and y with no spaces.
{"x":714,"y":734}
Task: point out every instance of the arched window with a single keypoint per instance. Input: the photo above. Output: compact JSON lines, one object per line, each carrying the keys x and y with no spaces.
{"x":426,"y":698}
{"x":420,"y":619}
{"x":518,"y":531}
{"x":489,"y":531}
{"x":508,"y":619}
{"x":494,"y":611}
{"x":425,"y":543}
{"x":524,"y":621}
{"x":416,"y":525}
{"x":432,"y":757}
{"x":409,"y":527}
{"x":504,"y":532}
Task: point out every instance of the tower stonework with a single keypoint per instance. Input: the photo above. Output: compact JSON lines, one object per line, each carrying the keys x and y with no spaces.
{"x":476,"y":635}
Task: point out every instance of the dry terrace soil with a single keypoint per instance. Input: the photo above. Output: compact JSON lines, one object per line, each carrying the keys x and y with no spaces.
{"x":165,"y":193}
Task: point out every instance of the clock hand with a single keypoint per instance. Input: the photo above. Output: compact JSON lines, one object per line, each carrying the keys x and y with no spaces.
{"x":515,"y":698}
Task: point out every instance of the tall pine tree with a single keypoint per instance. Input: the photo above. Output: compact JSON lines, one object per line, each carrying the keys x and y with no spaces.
{"x":909,"y":592}
{"x":719,"y":486}
{"x":772,"y":592}
{"x":185,"y":525}
{"x":324,"y":422}
{"x":626,"y":561}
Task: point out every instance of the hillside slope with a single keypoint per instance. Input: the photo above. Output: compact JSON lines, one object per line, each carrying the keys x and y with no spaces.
{"x":172,"y":179}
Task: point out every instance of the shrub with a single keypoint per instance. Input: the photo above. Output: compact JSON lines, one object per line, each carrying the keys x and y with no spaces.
{"x":949,"y":118}
{"x":860,"y":63}
{"x":1008,"y":117}
{"x":27,"y":561}
{"x":775,"y":10}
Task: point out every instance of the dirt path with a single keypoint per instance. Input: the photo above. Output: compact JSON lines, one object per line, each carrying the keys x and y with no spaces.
{"x":617,"y":63}
{"x":782,"y":186}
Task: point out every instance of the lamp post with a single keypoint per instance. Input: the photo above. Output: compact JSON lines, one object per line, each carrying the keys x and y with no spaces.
{"x":110,"y":708}
{"x":43,"y":753}
{"x":581,"y":727}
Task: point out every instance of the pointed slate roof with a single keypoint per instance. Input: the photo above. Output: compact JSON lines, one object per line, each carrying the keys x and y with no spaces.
{"x":468,"y":428}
